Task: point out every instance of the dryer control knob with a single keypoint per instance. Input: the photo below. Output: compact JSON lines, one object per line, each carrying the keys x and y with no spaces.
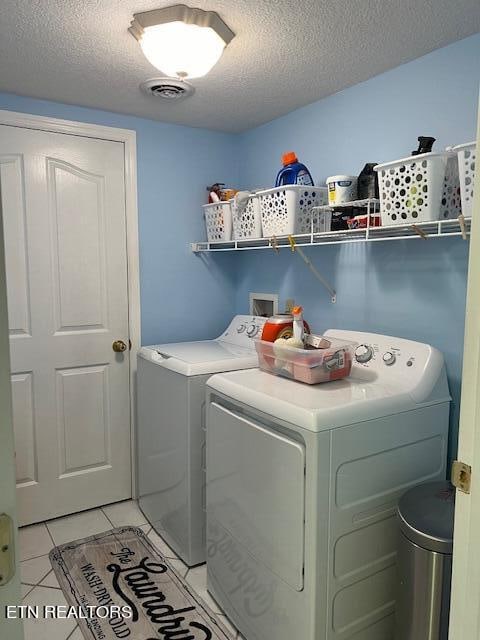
{"x":363,"y":353}
{"x":241,"y":328}
{"x":389,"y":358}
{"x":252,"y":330}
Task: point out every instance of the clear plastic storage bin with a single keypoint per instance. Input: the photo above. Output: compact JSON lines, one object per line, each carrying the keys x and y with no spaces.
{"x":419,"y":188}
{"x":247,"y":224}
{"x":322,"y":221}
{"x":218,"y":221}
{"x":307,"y":365}
{"x":287,"y":210}
{"x":467,"y":155}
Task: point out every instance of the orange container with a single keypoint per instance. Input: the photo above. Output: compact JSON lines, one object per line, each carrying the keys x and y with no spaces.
{"x":280,"y":326}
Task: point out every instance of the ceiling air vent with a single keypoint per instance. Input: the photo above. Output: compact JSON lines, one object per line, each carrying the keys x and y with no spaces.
{"x":168,"y":88}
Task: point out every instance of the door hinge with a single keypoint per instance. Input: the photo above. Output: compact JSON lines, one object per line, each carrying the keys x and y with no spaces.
{"x":7,"y":555}
{"x":461,"y":476}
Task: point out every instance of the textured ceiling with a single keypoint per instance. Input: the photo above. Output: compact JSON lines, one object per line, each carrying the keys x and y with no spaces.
{"x":286,"y":53}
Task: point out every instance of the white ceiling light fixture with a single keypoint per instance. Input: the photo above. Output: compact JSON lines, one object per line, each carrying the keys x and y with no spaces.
{"x":180,"y":41}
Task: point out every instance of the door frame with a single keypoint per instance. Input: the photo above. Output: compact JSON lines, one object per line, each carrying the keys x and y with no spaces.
{"x":465,"y":594}
{"x":129,"y":139}
{"x":10,"y":593}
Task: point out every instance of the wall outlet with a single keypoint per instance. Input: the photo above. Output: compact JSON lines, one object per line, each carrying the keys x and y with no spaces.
{"x":289,"y":304}
{"x":263,"y":304}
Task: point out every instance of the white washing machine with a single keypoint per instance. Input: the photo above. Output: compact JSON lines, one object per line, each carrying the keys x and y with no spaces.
{"x":302,"y":485}
{"x":171,"y":429}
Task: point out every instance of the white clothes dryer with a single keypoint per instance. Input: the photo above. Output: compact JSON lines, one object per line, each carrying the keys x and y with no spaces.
{"x":302,"y":486}
{"x":171,"y":429}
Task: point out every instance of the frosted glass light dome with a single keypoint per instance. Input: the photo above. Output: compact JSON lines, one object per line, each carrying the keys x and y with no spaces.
{"x":181,"y":42}
{"x":184,"y":50}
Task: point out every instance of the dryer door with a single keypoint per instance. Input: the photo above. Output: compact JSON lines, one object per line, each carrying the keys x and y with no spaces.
{"x":256,"y":491}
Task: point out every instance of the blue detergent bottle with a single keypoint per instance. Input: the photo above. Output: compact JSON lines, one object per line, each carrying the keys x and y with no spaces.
{"x":293,"y":172}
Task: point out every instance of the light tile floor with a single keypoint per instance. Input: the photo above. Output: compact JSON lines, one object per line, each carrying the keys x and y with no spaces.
{"x":40,"y":586}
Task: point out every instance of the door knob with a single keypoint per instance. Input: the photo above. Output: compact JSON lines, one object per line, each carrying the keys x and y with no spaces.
{"x":119,"y":346}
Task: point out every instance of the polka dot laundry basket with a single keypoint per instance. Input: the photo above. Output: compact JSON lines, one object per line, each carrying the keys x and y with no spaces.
{"x":247,"y":221}
{"x":419,"y":188}
{"x":467,"y":155}
{"x":287,"y":210}
{"x":218,"y":221}
{"x":451,"y":203}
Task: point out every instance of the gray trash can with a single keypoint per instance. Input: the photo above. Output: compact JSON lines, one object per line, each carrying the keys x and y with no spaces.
{"x":426,"y":515}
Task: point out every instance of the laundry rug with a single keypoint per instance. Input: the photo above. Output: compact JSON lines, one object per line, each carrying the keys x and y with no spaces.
{"x":121,"y":568}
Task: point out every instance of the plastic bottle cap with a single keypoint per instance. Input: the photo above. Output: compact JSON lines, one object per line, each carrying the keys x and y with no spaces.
{"x":289,"y":157}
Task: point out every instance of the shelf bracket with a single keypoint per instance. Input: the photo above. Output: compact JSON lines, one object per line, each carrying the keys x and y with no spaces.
{"x":313,"y":269}
{"x":274,"y":244}
{"x":420,"y":232}
{"x":461,"y":222}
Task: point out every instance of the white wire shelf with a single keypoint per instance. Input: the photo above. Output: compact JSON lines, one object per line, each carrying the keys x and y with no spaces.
{"x":419,"y":231}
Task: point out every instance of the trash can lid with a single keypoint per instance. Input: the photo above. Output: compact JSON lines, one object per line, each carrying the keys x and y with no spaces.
{"x":426,"y":515}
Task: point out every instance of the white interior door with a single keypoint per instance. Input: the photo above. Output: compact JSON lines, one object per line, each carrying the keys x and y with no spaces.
{"x":465,"y":605}
{"x":65,"y":241}
{"x":10,"y":591}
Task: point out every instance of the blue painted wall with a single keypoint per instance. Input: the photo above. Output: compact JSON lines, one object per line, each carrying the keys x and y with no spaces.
{"x":182,"y":296}
{"x":415,"y":289}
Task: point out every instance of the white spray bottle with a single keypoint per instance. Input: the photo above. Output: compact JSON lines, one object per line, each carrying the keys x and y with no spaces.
{"x":298,"y":328}
{"x":281,"y":346}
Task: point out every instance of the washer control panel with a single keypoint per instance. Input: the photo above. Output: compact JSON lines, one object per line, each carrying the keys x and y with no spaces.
{"x":386,"y":354}
{"x":388,"y":357}
{"x":243,"y":329}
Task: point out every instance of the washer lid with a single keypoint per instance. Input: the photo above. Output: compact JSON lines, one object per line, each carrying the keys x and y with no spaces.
{"x":426,"y":516}
{"x":317,"y":407}
{"x":201,"y":357}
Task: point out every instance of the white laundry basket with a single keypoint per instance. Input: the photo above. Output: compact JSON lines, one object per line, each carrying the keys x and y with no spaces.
{"x":218,"y":221}
{"x":451,"y":203}
{"x":411,"y":189}
{"x":288,"y":210}
{"x":467,"y":155}
{"x":247,"y":222}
